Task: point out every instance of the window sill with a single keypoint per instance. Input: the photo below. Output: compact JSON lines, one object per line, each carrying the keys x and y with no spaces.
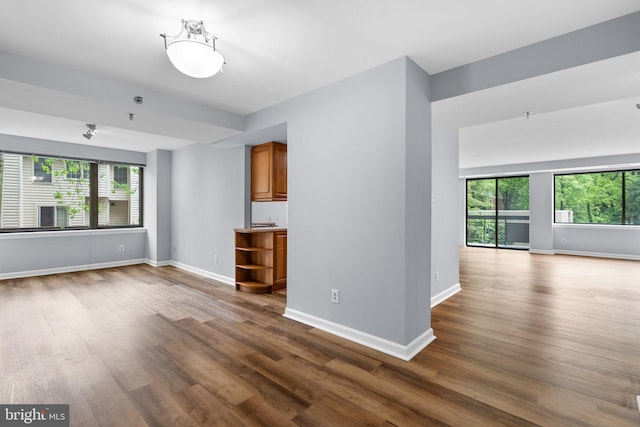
{"x":70,"y":233}
{"x":596,"y":226}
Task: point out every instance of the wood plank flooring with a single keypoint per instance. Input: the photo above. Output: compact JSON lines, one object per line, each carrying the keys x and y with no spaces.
{"x":530,"y":340}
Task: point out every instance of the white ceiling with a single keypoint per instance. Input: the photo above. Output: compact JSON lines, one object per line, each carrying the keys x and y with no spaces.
{"x":278,"y":49}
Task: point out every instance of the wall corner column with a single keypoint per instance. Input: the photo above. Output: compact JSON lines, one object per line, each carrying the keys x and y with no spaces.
{"x":541,"y":213}
{"x":157,"y":206}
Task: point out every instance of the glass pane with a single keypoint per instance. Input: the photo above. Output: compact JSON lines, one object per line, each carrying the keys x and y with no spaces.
{"x":118,"y":195}
{"x":513,"y":212}
{"x":42,"y":169}
{"x":589,"y":198}
{"x":34,"y":187}
{"x":47,"y":216}
{"x":61,"y":217}
{"x":481,"y":220}
{"x":632,"y":197}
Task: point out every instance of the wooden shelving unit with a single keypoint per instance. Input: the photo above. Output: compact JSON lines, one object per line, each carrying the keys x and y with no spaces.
{"x":258,"y":269}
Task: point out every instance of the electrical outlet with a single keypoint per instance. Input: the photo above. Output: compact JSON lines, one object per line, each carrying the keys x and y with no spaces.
{"x":564,"y":241}
{"x":335,"y":296}
{"x":437,"y":276}
{"x":121,"y":248}
{"x":215,"y":259}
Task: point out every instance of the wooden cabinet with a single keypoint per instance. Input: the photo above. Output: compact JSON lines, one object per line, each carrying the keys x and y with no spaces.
{"x":261,"y":260}
{"x":280,"y":260}
{"x":269,"y":172}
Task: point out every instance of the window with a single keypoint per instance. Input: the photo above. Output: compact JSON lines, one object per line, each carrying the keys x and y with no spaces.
{"x":632,"y":197}
{"x":66,"y":203}
{"x":76,"y":169}
{"x":498,"y":212}
{"x":121,"y":175}
{"x":598,"y":198}
{"x":53,"y":216}
{"x":41,"y":169}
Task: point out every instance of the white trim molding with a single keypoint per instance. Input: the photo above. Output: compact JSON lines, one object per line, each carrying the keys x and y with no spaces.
{"x":444,"y":295}
{"x":404,"y":352}
{"x":70,"y":269}
{"x":599,"y":254}
{"x":542,"y":251}
{"x":219,"y":277}
{"x":154,"y":263}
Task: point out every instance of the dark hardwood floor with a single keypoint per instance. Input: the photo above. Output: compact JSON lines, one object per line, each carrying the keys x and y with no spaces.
{"x":530,"y":340}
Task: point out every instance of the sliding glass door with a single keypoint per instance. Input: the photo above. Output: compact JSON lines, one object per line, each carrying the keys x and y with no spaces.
{"x":498,"y":212}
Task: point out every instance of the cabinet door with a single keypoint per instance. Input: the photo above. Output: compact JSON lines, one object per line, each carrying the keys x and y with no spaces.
{"x":280,"y":260}
{"x":280,"y":171}
{"x":261,"y":173}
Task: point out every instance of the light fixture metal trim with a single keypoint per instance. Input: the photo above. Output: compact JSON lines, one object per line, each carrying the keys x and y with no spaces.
{"x":193,"y":51}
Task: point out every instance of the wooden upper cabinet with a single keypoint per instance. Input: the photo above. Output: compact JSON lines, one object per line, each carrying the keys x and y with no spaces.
{"x":269,"y":172}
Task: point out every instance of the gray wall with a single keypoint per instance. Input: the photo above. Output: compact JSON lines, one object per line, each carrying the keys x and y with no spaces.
{"x":208,"y":202}
{"x":418,"y":193}
{"x":445,"y":225}
{"x":24,"y":254}
{"x":157,"y":206}
{"x":31,"y":254}
{"x":359,"y":191}
{"x":541,"y":212}
{"x":597,"y":240}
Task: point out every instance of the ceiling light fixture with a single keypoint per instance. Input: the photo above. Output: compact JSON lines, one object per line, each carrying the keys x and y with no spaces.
{"x":91,"y":131}
{"x":193,"y":52}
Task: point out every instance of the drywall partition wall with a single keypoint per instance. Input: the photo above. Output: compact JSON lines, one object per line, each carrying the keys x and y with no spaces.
{"x":418,"y":194}
{"x":541,"y":213}
{"x":208,"y":202}
{"x":36,"y":253}
{"x":157,"y":206}
{"x":353,"y":145}
{"x":445,"y":277}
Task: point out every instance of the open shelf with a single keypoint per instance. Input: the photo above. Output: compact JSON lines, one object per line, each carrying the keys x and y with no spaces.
{"x":250,"y":249}
{"x":260,"y":260}
{"x":252,"y":266}
{"x":253,"y":287}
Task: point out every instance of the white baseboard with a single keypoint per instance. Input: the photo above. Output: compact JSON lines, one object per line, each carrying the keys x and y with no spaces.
{"x":444,"y":295}
{"x":542,"y":251}
{"x":153,"y":263}
{"x":404,"y":352}
{"x":218,"y":277}
{"x":598,"y":254}
{"x":70,"y":269}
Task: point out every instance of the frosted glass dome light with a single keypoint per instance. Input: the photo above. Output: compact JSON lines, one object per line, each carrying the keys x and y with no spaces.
{"x":193,"y":52}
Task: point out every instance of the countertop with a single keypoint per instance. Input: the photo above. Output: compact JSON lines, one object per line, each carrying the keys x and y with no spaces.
{"x":259,"y":229}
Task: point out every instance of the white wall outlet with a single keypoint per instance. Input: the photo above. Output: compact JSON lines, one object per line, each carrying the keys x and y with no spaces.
{"x":335,"y":296}
{"x":215,"y":259}
{"x":437,"y":276}
{"x":564,"y":241}
{"x":121,"y":248}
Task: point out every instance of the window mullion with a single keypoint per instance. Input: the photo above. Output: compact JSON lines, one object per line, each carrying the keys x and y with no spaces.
{"x":93,"y":195}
